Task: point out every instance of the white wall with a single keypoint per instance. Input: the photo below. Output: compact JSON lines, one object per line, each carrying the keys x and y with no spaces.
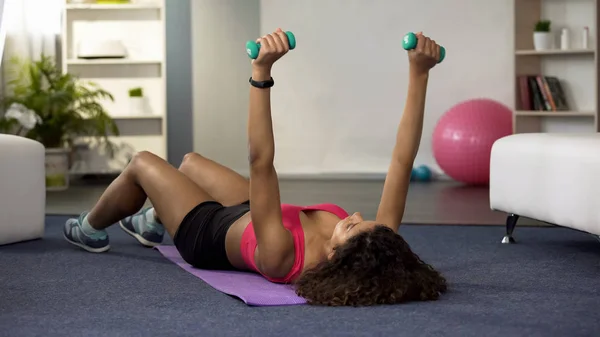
{"x":347,"y":79}
{"x":339,"y":96}
{"x":221,"y":68}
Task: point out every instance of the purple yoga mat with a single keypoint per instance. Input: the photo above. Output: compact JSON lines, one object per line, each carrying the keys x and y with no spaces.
{"x":251,"y":288}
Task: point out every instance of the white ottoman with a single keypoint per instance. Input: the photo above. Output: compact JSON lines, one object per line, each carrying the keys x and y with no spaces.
{"x":22,"y":189}
{"x":550,"y":177}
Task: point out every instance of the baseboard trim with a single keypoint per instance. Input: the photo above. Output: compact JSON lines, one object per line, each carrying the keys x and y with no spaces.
{"x":333,"y":176}
{"x":375,"y":176}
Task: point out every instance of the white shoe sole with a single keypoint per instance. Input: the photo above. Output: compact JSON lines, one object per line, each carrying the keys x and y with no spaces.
{"x":89,"y":249}
{"x":138,"y":237}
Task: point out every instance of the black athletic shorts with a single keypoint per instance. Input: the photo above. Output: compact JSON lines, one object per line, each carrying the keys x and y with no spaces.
{"x":200,"y":238}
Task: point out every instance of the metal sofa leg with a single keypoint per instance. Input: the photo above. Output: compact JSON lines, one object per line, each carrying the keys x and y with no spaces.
{"x":511,"y":222}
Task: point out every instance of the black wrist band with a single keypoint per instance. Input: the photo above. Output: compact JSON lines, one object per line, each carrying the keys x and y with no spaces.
{"x":262,"y":84}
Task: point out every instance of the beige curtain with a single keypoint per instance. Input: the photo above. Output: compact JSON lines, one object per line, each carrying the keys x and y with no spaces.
{"x":31,"y":28}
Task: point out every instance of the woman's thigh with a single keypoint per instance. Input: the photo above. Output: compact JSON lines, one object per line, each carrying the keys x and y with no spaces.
{"x":222,"y":183}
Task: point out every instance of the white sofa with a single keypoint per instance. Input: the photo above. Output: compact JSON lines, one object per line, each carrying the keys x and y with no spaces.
{"x":22,"y":189}
{"x":550,"y":177}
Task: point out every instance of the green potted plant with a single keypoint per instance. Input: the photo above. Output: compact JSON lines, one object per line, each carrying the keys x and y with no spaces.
{"x":542,"y":36}
{"x":136,"y":101}
{"x":55,"y":109}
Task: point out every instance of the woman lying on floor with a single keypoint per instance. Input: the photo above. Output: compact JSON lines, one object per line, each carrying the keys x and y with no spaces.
{"x":220,"y":220}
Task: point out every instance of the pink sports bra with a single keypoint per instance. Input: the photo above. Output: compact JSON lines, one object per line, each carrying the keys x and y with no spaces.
{"x":291,"y":221}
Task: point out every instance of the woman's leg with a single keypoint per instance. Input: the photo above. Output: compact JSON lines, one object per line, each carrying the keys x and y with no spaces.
{"x":223,"y":185}
{"x":171,"y":192}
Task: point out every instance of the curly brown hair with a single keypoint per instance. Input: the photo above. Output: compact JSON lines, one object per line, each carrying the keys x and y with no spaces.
{"x":373,"y":267}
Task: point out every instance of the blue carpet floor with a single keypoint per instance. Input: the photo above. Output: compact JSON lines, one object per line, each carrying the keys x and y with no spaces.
{"x":546,"y":285}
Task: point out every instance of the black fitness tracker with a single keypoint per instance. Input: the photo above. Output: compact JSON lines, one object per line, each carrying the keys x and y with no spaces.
{"x":262,"y":84}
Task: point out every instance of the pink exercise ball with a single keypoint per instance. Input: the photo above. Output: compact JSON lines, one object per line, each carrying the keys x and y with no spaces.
{"x":464,"y":135}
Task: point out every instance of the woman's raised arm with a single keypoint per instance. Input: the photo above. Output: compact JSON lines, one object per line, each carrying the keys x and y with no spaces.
{"x":393,"y":199}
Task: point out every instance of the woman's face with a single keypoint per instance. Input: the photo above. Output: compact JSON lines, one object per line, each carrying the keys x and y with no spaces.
{"x":348,"y":227}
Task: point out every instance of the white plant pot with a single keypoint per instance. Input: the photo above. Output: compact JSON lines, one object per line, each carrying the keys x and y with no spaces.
{"x":543,"y":40}
{"x":57,"y":169}
{"x":137,"y":106}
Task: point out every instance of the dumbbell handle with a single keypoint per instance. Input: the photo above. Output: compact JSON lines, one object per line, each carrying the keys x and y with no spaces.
{"x":252,"y":47}
{"x":410,"y":42}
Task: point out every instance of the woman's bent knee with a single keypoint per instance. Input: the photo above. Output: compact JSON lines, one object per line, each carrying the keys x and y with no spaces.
{"x":143,"y":159}
{"x":189,"y":160}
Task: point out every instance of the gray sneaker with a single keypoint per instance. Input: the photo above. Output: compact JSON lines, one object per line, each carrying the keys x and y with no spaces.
{"x":149,"y":234}
{"x":73,"y":233}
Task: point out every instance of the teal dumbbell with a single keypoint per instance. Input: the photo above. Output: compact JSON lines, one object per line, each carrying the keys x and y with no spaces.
{"x":252,"y":47}
{"x":410,"y":42}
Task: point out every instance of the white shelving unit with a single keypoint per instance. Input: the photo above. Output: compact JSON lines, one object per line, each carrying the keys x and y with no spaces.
{"x":577,"y":68}
{"x":140,"y":26}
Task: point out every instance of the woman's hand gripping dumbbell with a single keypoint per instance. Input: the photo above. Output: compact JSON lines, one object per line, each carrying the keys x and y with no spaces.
{"x":410,"y":41}
{"x":253,"y":47}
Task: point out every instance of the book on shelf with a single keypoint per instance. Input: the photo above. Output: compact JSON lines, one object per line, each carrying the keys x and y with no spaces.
{"x":541,"y":93}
